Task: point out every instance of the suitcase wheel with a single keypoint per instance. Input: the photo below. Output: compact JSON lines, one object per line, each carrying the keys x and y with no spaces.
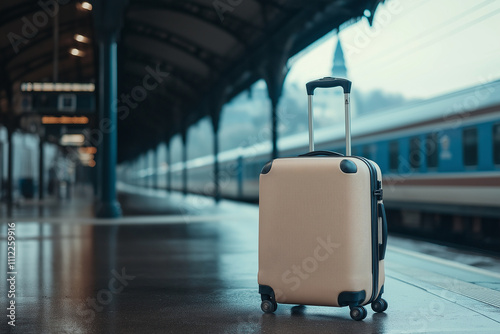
{"x":379,"y":305}
{"x":268,"y":306}
{"x":358,"y":313}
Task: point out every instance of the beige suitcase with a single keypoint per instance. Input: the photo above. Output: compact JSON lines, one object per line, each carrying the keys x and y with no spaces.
{"x":322,"y":227}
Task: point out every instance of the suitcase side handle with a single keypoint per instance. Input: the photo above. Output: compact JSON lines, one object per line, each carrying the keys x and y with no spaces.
{"x":383,"y":245}
{"x":328,"y":82}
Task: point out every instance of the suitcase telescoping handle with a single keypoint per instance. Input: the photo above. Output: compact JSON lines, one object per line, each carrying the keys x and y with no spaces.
{"x":329,"y":82}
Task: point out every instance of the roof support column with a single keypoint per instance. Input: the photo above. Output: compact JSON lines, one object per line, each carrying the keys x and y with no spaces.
{"x":137,"y":171}
{"x":145,"y":168}
{"x":108,"y":16}
{"x":10,"y":166}
{"x":169,"y":167}
{"x":274,"y":128}
{"x":108,"y":206}
{"x":216,"y":163}
{"x":41,"y":169}
{"x":274,"y":73}
{"x":149,"y":168}
{"x":184,"y":160}
{"x":155,"y":168}
{"x":2,"y":185}
{"x":215,"y":109}
{"x":10,"y":124}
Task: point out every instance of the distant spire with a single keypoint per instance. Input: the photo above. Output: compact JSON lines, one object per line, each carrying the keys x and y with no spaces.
{"x":339,"y":69}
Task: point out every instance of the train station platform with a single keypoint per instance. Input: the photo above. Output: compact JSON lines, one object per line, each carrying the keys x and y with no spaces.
{"x":183,"y":264}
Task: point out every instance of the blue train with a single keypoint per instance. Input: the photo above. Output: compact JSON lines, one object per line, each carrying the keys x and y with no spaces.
{"x":441,"y":155}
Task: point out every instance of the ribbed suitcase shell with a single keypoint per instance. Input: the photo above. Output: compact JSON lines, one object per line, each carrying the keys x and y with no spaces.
{"x":316,"y":233}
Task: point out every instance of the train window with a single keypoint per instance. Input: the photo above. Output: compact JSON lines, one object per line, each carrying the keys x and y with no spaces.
{"x":496,"y":144}
{"x":469,"y":146}
{"x":415,"y":152}
{"x":431,"y":150}
{"x":393,"y":155}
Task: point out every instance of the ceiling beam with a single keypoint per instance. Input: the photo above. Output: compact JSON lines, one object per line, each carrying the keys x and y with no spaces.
{"x":205,"y":14}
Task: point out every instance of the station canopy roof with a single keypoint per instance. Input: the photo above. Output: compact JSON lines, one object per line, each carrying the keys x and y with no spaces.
{"x":200,"y":52}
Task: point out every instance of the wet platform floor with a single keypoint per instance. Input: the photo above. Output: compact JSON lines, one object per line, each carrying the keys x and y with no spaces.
{"x":195,"y":271}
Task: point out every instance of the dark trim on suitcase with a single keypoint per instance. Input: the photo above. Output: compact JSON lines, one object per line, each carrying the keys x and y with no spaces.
{"x":267,"y":293}
{"x":383,"y":245}
{"x":351,"y":298}
{"x":321,"y":154}
{"x":348,"y":167}
{"x":267,"y":167}
{"x":374,"y":224}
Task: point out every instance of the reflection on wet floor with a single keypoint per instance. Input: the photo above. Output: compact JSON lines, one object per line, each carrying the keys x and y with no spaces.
{"x":201,"y":277}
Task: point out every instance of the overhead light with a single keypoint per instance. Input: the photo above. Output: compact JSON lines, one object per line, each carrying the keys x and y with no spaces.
{"x":85,"y":158}
{"x":76,"y":52}
{"x":65,"y":120}
{"x":81,"y":38}
{"x":367,"y":13}
{"x":57,"y":87}
{"x":88,"y":150}
{"x":91,"y":163}
{"x":72,"y":140}
{"x":86,"y":5}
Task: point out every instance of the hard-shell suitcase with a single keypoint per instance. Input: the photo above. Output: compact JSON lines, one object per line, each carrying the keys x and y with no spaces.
{"x":322,"y":226}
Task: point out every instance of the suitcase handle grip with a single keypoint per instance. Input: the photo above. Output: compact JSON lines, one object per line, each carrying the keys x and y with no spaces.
{"x":383,"y":245}
{"x":328,"y":82}
{"x":321,"y":153}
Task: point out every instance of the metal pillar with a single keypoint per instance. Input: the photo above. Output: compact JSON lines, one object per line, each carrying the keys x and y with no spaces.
{"x":2,"y":186}
{"x":215,"y":106}
{"x":274,"y":73}
{"x":216,"y":164}
{"x":108,"y":206}
{"x":274,"y":89}
{"x":274,"y":129}
{"x":144,"y":164}
{"x":41,"y":161}
{"x":169,"y":170}
{"x":150,"y":161}
{"x":155,"y":168}
{"x":55,"y":65}
{"x":108,"y":20}
{"x":138,"y":171}
{"x":240,"y":176}
{"x":184,"y":160}
{"x":96,"y":176}
{"x":10,"y":166}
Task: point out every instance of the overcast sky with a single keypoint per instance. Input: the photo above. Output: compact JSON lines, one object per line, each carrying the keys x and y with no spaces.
{"x":417,"y":48}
